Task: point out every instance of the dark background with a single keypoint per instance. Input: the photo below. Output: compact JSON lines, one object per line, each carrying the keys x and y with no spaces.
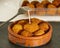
{"x":54,"y":43}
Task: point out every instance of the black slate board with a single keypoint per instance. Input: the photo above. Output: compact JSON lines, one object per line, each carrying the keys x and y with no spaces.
{"x":54,"y":43}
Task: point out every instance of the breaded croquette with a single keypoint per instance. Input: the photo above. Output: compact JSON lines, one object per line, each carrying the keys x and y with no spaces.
{"x":31,"y":5}
{"x":16,"y":28}
{"x":31,"y":27}
{"x":51,"y":10}
{"x":32,"y":8}
{"x":39,"y":32}
{"x":40,"y":9}
{"x":25,"y":3}
{"x":45,"y":3}
{"x":56,"y":3}
{"x":58,"y":11}
{"x":22,"y":22}
{"x":44,"y":26}
{"x":34,"y":3}
{"x":35,"y":20}
{"x":26,"y":33}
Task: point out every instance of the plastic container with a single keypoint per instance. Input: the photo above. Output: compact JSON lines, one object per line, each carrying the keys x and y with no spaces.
{"x":45,"y":12}
{"x":43,"y":7}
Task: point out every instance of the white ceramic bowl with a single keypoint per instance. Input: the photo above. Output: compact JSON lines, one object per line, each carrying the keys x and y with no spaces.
{"x":8,"y":8}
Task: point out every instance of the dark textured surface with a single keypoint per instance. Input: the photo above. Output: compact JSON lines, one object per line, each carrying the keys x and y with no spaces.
{"x":54,"y":43}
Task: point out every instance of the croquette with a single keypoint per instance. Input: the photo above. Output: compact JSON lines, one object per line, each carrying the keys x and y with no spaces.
{"x":35,"y":20}
{"x":31,"y":6}
{"x":56,"y":3}
{"x":16,"y":28}
{"x":39,"y":32}
{"x":31,"y":27}
{"x":40,"y":9}
{"x":45,"y":3}
{"x":51,"y":10}
{"x":22,"y":22}
{"x":25,"y":3}
{"x":44,"y":26}
{"x":26,"y":33}
{"x":34,"y":3}
{"x":58,"y":11}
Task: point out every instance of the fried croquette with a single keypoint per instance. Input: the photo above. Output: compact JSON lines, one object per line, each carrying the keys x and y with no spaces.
{"x":31,"y":27}
{"x":25,"y":3}
{"x":44,"y":26}
{"x":26,"y":33}
{"x":51,"y":10}
{"x":34,"y":3}
{"x":35,"y":20}
{"x":56,"y":3}
{"x":31,"y":5}
{"x":22,"y":22}
{"x":58,"y":11}
{"x":39,"y":5}
{"x":32,"y":11}
{"x":16,"y":28}
{"x":39,"y":32}
{"x":40,"y":9}
{"x":45,"y":3}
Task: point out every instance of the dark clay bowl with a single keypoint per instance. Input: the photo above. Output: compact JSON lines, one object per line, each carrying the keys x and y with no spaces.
{"x":29,"y":41}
